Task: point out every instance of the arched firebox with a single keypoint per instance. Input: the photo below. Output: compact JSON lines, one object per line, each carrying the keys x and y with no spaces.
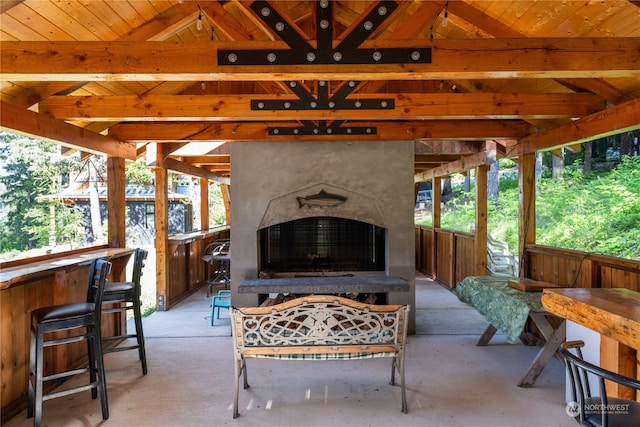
{"x":320,"y":245}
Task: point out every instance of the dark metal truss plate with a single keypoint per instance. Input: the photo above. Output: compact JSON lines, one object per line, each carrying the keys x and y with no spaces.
{"x":322,"y":128}
{"x":347,"y":51}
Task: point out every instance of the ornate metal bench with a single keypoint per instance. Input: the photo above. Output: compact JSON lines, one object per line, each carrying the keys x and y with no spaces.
{"x":319,"y":327}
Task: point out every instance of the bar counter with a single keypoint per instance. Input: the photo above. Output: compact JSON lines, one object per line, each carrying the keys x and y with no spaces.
{"x":44,"y":281}
{"x":612,"y":312}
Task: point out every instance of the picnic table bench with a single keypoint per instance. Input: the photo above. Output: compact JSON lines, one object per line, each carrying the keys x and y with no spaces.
{"x":319,"y":327}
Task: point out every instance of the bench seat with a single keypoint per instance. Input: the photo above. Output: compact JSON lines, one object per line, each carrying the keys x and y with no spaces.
{"x":319,"y":327}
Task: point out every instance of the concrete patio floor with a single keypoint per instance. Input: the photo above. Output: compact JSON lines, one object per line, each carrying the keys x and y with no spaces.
{"x":450,"y":382}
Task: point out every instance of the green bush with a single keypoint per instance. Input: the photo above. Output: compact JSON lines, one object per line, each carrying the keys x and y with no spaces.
{"x":598,"y":213}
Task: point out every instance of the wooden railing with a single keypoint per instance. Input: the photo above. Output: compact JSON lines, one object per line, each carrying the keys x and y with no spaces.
{"x":579,"y":269}
{"x":448,"y":256}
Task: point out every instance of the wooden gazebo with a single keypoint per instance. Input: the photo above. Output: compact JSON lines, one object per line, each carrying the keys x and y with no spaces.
{"x":464,"y":82}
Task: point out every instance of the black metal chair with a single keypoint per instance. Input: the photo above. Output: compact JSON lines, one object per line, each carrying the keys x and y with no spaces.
{"x":83,"y":316}
{"x":126,"y":296}
{"x":600,"y":410}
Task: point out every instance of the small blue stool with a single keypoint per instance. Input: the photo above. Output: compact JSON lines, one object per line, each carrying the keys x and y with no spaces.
{"x":222,"y":300}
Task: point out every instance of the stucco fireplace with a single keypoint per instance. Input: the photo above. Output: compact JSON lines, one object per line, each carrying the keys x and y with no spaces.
{"x":322,"y":217}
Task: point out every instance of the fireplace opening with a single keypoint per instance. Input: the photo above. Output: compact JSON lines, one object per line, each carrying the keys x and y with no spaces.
{"x":320,"y":245}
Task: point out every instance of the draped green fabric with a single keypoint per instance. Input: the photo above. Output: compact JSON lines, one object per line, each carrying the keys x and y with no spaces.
{"x":504,"y":307}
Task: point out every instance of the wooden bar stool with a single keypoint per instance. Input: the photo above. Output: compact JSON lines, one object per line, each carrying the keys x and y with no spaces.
{"x":83,"y":316}
{"x":127,"y":296}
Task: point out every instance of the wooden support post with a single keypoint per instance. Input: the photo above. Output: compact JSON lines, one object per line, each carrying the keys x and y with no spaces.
{"x":481,"y":220}
{"x":162,"y":230}
{"x":436,"y":199}
{"x":116,"y":202}
{"x":527,"y":208}
{"x":622,"y":359}
{"x":204,"y":204}
{"x":226,"y":198}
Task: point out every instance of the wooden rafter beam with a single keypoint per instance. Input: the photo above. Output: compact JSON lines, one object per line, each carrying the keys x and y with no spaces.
{"x":206,"y":160}
{"x":417,"y":106}
{"x":191,"y":170}
{"x":618,"y":119}
{"x":452,"y":59}
{"x":446,"y":147}
{"x":467,"y":162}
{"x":20,"y":120}
{"x":250,"y":131}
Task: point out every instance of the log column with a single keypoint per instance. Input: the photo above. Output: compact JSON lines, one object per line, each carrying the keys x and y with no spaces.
{"x":481,"y":220}
{"x":527,"y":208}
{"x":116,"y":202}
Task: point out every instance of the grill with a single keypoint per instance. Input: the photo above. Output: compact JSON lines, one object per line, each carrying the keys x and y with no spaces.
{"x":322,"y":244}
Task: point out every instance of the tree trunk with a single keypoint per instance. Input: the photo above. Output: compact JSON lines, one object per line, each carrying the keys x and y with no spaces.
{"x":538,"y":171}
{"x":626,"y":144}
{"x":446,"y":186}
{"x":588,"y":147}
{"x":493,"y":182}
{"x":94,"y":201}
{"x":557,"y":165}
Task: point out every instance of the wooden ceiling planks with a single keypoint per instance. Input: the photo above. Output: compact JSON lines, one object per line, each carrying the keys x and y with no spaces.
{"x":233,"y":21}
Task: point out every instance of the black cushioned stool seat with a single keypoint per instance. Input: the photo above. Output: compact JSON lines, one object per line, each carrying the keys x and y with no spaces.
{"x":82,"y":320}
{"x":126,"y":295}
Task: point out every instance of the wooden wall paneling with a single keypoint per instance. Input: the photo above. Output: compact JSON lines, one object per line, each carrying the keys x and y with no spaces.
{"x":534,"y":266}
{"x":194,"y":264}
{"x":13,"y":357}
{"x":465,"y":251}
{"x":428,"y":239}
{"x":418,"y":248}
{"x":451,"y":279}
{"x":606,"y":277}
{"x":426,"y":234}
{"x":176,"y":279}
{"x":199,"y":265}
{"x":430,"y":251}
{"x":567,"y":275}
{"x":444,"y":254}
{"x":587,"y":274}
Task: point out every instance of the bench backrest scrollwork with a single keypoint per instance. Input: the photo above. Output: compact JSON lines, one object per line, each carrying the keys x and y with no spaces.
{"x":320,"y":320}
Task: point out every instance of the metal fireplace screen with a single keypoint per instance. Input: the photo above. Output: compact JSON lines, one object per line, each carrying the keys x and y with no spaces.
{"x":322,"y":244}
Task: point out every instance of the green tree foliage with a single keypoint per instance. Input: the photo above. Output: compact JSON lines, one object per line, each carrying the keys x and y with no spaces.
{"x":138,"y":173}
{"x":32,"y":168}
{"x":217,"y":215}
{"x":597,"y":213}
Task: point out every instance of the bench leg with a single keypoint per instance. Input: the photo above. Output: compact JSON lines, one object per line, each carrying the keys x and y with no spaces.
{"x":393,"y":371}
{"x":405,"y":409}
{"x":399,"y":365}
{"x":240,"y":368}
{"x":236,"y":391}
{"x":244,"y":372}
